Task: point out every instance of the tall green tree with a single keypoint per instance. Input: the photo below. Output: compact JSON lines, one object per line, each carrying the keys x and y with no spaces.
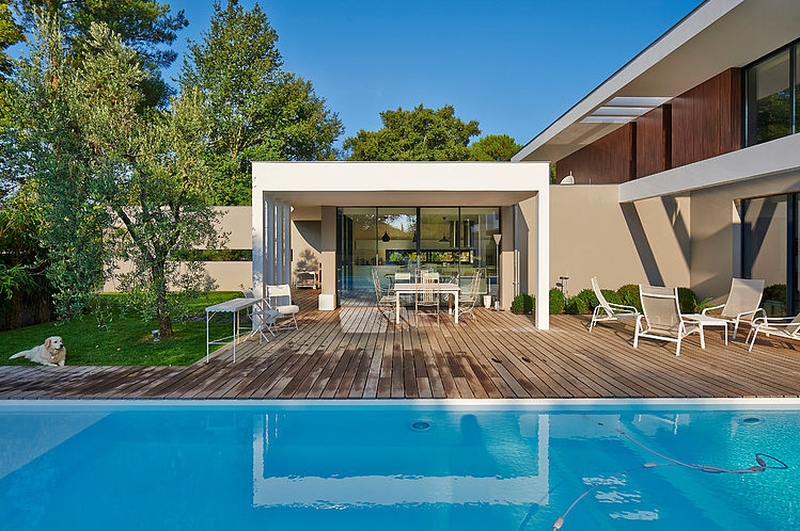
{"x":259,"y":110}
{"x":117,"y":181}
{"x":147,"y":26}
{"x":494,"y":147}
{"x":418,"y":134}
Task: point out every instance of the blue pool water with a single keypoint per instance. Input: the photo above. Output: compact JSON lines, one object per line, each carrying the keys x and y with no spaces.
{"x":513,"y":466}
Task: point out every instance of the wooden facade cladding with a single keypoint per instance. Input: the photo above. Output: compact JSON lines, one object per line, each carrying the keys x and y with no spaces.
{"x":707,"y":120}
{"x":701,"y":123}
{"x":608,"y":160}
{"x":654,"y":141}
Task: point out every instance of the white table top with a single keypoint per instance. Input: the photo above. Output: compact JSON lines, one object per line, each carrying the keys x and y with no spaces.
{"x":233,"y":305}
{"x":410,"y":286}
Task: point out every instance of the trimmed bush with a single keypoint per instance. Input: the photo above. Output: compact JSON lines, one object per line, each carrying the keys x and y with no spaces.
{"x":556,"y":301}
{"x":610,"y":295}
{"x":577,"y":306}
{"x":522,"y":303}
{"x":629,"y":296}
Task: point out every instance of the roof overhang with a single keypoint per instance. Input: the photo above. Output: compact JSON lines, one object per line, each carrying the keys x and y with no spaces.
{"x":354,"y":184}
{"x":716,"y":36}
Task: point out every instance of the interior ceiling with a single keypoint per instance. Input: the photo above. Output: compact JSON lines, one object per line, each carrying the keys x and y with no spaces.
{"x":303,"y":198}
{"x":747,"y":32}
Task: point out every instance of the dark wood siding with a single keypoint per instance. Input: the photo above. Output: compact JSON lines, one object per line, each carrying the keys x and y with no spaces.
{"x":706,"y":120}
{"x":608,"y":160}
{"x":701,"y":123}
{"x":653,"y":141}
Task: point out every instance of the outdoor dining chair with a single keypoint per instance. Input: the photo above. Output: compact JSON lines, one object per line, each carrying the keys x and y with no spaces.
{"x":469,"y":296}
{"x":428,"y":296}
{"x":384,"y":298}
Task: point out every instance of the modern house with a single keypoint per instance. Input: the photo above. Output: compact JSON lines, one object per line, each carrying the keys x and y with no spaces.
{"x":686,"y":161}
{"x":681,"y":169}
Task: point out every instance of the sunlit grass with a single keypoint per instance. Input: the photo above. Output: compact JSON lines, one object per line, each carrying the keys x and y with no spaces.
{"x":125,"y":340}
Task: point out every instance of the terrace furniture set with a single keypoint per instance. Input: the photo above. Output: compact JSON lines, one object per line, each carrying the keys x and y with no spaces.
{"x":428,"y":291}
{"x":661,"y":317}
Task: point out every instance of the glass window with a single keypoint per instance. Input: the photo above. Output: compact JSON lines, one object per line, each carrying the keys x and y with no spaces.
{"x":765,"y":225}
{"x":769,"y":99}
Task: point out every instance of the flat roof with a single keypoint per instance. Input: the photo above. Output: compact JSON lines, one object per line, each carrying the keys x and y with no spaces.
{"x":352,"y":184}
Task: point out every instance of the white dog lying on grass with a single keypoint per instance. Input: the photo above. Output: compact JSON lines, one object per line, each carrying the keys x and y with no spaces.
{"x":52,"y":352}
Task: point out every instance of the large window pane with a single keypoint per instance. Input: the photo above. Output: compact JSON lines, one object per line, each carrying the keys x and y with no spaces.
{"x":769,"y":99}
{"x":765,"y":254}
{"x":357,"y":252}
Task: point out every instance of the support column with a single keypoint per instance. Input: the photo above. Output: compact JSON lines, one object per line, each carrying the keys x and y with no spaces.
{"x":542,"y":258}
{"x":328,"y":294}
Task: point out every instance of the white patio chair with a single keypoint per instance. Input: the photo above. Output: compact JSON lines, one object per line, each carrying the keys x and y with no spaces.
{"x":661,"y":318}
{"x":608,"y":311}
{"x":384,"y":298}
{"x":779,"y":327}
{"x":428,"y":295}
{"x":743,"y":303}
{"x":469,"y":296}
{"x":279,"y":298}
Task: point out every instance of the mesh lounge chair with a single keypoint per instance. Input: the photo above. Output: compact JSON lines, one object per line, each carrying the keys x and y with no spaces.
{"x":607,"y":311}
{"x":780,"y":327}
{"x":661,"y":318}
{"x":743,"y":303}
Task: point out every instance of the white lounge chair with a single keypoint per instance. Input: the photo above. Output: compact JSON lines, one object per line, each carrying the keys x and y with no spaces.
{"x":661,"y":318}
{"x":742,"y":305}
{"x":279,"y":298}
{"x":780,"y":327}
{"x":608,"y":311}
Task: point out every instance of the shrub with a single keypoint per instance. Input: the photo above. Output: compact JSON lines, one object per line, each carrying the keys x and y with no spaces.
{"x":522,"y":303}
{"x":611,"y":296}
{"x":686,"y":300}
{"x":577,"y":305}
{"x":629,"y":296}
{"x":556,"y":301}
{"x":775,"y":292}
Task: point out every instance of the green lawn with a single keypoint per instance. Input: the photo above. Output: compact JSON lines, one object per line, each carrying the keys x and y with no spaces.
{"x":126,"y":340}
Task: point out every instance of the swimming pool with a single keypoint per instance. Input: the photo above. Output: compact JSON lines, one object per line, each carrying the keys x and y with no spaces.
{"x":448,"y":465}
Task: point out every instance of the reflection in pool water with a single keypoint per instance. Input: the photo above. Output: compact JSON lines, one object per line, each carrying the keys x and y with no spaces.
{"x":397,"y":465}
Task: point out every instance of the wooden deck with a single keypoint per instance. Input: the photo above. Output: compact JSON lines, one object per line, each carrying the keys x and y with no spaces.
{"x":355,"y":353}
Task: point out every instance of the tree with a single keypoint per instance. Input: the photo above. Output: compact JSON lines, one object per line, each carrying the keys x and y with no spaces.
{"x":119,"y":182}
{"x":259,"y":111}
{"x":144,"y":25}
{"x":419,"y":134}
{"x":10,"y":34}
{"x":494,"y":147}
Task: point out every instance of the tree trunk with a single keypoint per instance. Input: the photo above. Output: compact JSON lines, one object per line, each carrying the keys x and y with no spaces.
{"x":162,"y":313}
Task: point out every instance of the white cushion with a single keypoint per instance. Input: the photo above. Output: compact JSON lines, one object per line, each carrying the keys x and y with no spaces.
{"x":288,"y":309}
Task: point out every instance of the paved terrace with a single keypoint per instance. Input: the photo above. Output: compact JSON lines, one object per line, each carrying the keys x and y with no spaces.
{"x":354,"y":353}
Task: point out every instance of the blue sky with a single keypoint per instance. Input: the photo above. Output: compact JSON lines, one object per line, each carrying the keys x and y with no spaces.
{"x":514,"y":66}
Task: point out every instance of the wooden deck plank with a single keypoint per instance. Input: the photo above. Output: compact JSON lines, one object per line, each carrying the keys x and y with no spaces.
{"x":356,"y":353}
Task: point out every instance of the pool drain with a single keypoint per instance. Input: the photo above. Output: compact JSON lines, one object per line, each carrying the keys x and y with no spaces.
{"x":751,"y":420}
{"x":421,"y":425}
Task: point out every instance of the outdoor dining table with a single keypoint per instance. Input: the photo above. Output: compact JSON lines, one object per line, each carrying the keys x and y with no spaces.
{"x":410,"y":288}
{"x":235,"y":307}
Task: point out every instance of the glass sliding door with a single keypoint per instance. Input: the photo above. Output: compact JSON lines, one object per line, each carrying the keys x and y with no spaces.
{"x":453,"y":241}
{"x":356,"y":253}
